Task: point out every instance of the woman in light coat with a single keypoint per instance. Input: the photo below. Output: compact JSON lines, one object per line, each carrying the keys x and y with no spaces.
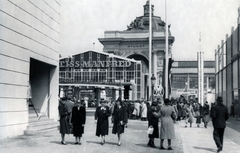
{"x":189,"y":114}
{"x":144,"y":112}
{"x":167,"y":126}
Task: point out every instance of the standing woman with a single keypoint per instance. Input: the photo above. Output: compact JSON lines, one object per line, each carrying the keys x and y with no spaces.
{"x":119,"y":119}
{"x":198,"y":113}
{"x":64,"y":115}
{"x":144,"y":111}
{"x":78,"y":120}
{"x":167,"y":127}
{"x":206,"y":113}
{"x":153,"y":119}
{"x":101,"y":118}
{"x":189,"y":114}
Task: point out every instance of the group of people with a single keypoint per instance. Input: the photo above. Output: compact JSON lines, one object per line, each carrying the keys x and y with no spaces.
{"x":218,"y":113}
{"x":235,"y":110}
{"x":165,"y":113}
{"x":73,"y":118}
{"x":189,"y":110}
{"x":119,"y":119}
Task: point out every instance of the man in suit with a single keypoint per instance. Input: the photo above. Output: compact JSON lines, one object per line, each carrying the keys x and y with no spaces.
{"x":219,"y":114}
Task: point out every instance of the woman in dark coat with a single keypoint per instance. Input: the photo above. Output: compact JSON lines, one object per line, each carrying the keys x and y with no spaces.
{"x":64,"y":116}
{"x":78,"y":120}
{"x":119,"y":119}
{"x":153,"y":118}
{"x":101,"y":118}
{"x":206,"y":114}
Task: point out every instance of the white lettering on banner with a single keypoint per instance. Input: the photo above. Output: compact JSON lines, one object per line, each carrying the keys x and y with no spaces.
{"x":95,"y":64}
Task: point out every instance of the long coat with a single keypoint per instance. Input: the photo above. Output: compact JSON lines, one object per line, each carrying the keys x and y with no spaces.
{"x":101,"y":116}
{"x":119,"y":114}
{"x":78,"y":120}
{"x":144,"y":111}
{"x":189,"y":114}
{"x":167,"y":127}
{"x":206,"y":113}
{"x":219,"y":115}
{"x":64,"y":116}
{"x":153,"y":121}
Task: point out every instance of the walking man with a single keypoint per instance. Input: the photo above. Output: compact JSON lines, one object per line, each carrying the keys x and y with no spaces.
{"x":219,"y":115}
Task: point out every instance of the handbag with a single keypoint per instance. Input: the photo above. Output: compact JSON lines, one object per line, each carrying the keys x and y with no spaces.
{"x":150,"y":130}
{"x":173,"y":116}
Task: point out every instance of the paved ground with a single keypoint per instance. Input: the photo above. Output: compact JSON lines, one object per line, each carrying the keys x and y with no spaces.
{"x":134,"y":140}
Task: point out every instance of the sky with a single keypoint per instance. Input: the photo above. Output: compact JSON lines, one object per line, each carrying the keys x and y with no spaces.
{"x":84,"y":21}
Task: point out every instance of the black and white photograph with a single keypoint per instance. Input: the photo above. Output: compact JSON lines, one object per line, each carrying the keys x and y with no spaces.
{"x":120,"y":76}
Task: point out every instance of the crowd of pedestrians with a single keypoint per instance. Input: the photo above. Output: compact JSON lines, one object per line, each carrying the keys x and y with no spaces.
{"x":73,"y":117}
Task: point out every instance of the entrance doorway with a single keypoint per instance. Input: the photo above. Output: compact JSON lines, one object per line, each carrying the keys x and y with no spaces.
{"x":39,"y":80}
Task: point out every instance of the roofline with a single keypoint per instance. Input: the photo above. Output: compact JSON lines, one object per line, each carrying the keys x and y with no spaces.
{"x":110,"y":55}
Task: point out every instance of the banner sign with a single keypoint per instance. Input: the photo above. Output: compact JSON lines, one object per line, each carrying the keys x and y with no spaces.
{"x":89,"y":64}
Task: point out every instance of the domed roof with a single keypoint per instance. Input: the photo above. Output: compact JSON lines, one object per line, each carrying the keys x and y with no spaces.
{"x":142,"y":22}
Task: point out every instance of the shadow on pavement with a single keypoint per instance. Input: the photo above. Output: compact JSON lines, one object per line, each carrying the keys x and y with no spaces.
{"x":208,"y":149}
{"x":56,"y":142}
{"x":97,"y":142}
{"x":143,"y":145}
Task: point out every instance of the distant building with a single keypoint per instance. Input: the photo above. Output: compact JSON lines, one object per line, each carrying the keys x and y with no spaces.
{"x":184,"y":79}
{"x":133,"y":43}
{"x":87,"y":74}
{"x":227,"y":57}
{"x":29,"y":55}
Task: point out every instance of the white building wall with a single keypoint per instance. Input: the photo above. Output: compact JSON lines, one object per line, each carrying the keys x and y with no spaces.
{"x":28,"y":29}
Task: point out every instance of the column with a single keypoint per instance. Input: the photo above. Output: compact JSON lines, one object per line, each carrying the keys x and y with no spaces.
{"x":120,"y":93}
{"x":113,"y":94}
{"x":98,"y":95}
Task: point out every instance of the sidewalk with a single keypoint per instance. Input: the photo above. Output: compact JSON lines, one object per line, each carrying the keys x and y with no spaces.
{"x":200,"y":140}
{"x":134,"y":140}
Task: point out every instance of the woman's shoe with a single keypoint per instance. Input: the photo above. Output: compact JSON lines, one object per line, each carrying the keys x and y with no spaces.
{"x":63,"y":142}
{"x":76,"y":143}
{"x":152,"y":145}
{"x":170,"y":148}
{"x":162,"y":148}
{"x":119,"y":143}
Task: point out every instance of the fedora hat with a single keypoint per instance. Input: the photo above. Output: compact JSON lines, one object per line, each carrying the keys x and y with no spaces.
{"x":219,"y":99}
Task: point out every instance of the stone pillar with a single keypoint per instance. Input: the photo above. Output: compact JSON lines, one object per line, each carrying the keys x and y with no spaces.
{"x":113,"y":94}
{"x":98,"y":95}
{"x":207,"y":83}
{"x":120,"y":93}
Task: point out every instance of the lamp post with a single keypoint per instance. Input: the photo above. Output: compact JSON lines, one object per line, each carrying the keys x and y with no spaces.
{"x":153,"y":82}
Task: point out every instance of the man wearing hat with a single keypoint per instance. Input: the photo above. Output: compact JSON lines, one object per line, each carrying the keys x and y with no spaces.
{"x":219,"y":114}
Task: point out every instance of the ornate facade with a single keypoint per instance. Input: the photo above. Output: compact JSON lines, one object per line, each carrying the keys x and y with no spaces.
{"x":134,"y":43}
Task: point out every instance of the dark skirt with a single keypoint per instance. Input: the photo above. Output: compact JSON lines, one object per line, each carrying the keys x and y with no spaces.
{"x":155,"y":132}
{"x":78,"y":130}
{"x":117,"y":128}
{"x":64,"y":125}
{"x":198,"y":119}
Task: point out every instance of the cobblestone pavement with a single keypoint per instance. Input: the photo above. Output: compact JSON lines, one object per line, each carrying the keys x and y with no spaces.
{"x":134,"y":140}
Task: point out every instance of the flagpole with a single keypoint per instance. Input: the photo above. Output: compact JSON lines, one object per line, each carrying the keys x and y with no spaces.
{"x":166,"y":53}
{"x":150,"y":50}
